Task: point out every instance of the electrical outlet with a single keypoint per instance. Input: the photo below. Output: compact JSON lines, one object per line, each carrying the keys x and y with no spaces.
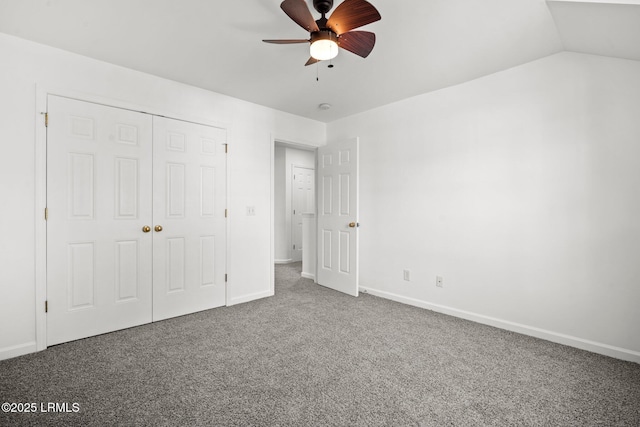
{"x":439,"y":281}
{"x":251,"y":210}
{"x":407,"y":275}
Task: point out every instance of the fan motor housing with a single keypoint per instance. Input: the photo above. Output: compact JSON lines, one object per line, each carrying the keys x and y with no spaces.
{"x":323,"y":6}
{"x":324,"y":34}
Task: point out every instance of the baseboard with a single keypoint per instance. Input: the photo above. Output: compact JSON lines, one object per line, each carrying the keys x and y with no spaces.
{"x":308,"y":276}
{"x":18,"y":350}
{"x":249,"y":297}
{"x":283,"y":261}
{"x":592,"y":346}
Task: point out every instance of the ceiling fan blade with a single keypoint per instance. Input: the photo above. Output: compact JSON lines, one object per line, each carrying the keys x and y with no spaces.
{"x":311,"y":60}
{"x":286,"y":41}
{"x":359,"y":42}
{"x":299,"y":12}
{"x":352,"y":14}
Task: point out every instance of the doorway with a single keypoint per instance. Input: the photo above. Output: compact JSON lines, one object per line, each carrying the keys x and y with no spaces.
{"x":294,"y":198}
{"x":332,"y":233}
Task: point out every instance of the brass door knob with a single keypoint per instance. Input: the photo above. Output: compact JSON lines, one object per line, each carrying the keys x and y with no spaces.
{"x":146,"y":229}
{"x":158,"y":228}
{"x":352,"y":224}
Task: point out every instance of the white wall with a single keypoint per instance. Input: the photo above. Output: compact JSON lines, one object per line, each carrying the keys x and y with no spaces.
{"x":281,"y":244}
{"x":251,"y":130}
{"x":521,"y":189}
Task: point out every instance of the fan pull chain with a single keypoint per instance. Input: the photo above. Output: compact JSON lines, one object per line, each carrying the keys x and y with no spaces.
{"x":330,"y":59}
{"x":318,"y":69}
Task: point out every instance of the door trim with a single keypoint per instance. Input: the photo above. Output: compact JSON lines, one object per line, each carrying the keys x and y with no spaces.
{"x":42,"y":93}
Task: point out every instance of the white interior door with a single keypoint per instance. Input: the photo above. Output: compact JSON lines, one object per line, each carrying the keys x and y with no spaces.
{"x":98,"y":200}
{"x":338,"y":216}
{"x":189,"y":201}
{"x":303,"y":200}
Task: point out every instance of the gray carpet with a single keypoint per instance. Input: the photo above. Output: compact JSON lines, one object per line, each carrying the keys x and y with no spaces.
{"x":312,"y":356}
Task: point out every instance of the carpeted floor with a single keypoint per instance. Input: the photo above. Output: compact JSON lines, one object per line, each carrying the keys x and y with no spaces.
{"x":312,"y":356}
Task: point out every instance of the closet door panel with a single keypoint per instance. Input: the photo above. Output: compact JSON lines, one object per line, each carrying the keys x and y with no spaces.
{"x":99,"y":198}
{"x":189,"y":244}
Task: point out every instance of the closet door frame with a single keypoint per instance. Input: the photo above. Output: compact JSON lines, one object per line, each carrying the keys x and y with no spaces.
{"x":40,"y":153}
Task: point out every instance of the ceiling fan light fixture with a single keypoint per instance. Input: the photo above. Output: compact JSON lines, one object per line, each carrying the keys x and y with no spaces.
{"x":324,"y":45}
{"x":329,"y":35}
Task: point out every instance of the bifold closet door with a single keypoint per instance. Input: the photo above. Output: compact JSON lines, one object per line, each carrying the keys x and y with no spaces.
{"x":136,"y":219}
{"x":189,"y":200}
{"x":99,"y":199}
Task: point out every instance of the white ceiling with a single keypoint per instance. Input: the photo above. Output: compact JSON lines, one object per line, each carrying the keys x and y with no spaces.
{"x":608,"y":28}
{"x":422,"y":45}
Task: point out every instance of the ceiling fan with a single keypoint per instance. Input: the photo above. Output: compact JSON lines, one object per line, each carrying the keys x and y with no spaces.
{"x":327,"y":35}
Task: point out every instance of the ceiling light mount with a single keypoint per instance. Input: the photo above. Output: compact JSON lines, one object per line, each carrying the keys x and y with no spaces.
{"x":323,"y":6}
{"x":324,"y":106}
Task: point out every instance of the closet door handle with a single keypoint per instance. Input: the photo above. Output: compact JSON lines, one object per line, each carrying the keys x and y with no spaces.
{"x":158,"y":228}
{"x":146,"y":229}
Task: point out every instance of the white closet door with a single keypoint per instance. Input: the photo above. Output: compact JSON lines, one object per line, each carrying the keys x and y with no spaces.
{"x":99,"y":199}
{"x":189,"y":200}
{"x":338,"y":216}
{"x":303,"y":201}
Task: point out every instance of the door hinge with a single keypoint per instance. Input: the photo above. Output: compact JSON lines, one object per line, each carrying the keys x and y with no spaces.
{"x":46,"y":214}
{"x":225,"y":277}
{"x":46,"y":120}
{"x":226,"y":148}
{"x":225,"y":213}
{"x":294,"y":247}
{"x":46,"y":306}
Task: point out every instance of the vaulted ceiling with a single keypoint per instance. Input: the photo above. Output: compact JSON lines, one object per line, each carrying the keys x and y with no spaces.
{"x":422,"y":45}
